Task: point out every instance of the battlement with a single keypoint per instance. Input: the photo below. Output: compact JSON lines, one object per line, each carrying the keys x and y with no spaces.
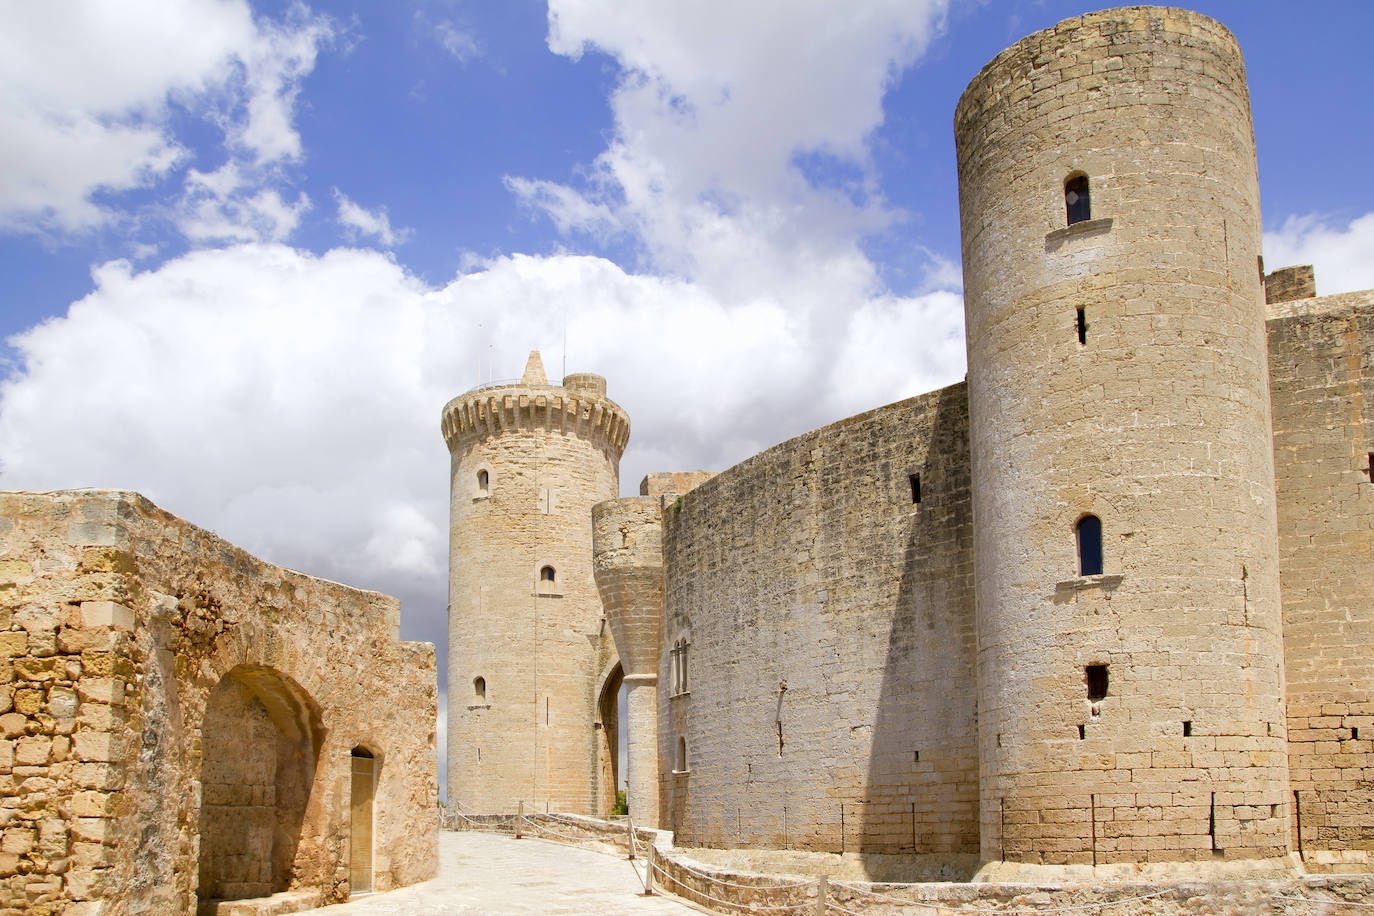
{"x":575,"y":411}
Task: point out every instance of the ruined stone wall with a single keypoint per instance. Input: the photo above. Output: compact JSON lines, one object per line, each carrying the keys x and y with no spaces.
{"x":1117,"y":369}
{"x":810,"y":566}
{"x":1321,"y":373}
{"x":118,"y":622}
{"x":548,"y":453}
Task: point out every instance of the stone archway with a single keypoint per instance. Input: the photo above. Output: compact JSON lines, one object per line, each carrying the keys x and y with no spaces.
{"x":260,"y":743}
{"x":608,"y":748}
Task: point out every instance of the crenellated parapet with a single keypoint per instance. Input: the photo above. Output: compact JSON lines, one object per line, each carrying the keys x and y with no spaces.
{"x":578,"y":408}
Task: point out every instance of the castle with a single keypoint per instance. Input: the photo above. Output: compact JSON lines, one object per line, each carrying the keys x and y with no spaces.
{"x":1109,"y":600}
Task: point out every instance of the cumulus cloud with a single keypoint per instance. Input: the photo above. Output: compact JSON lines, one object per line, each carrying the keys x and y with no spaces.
{"x":740,"y":154}
{"x":224,"y":206}
{"x":362,"y":223}
{"x":291,"y":401}
{"x":91,"y":89}
{"x":1342,"y":255}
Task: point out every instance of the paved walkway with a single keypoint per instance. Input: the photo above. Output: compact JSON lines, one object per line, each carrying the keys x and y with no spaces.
{"x":488,"y":873}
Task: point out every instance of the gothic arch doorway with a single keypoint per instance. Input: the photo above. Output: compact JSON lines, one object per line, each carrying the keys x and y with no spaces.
{"x":608,"y":747}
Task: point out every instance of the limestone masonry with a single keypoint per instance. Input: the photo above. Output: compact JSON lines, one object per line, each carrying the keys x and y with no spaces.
{"x":184,"y":724}
{"x":1108,"y":601}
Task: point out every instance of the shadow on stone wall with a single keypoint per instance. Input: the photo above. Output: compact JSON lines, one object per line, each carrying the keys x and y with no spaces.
{"x":921,"y":797}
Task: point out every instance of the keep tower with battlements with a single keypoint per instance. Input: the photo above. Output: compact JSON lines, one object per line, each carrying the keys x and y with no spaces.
{"x":528,"y":462}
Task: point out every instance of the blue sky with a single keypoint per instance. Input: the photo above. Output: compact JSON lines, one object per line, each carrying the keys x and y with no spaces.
{"x":249,"y":250}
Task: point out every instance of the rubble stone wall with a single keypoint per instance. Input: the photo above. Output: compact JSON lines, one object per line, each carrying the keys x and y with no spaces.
{"x":118,"y":622}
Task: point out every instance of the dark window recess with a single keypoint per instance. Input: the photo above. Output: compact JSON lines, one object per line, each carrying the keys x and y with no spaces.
{"x":1354,"y":734}
{"x":915,"y":488}
{"x":479,"y":689}
{"x":1082,"y":327}
{"x":1089,"y":533}
{"x":546,"y":574}
{"x":915,"y":756}
{"x":1082,"y":732}
{"x":482,"y":480}
{"x":1095,"y":676}
{"x":1076,"y":199}
{"x":1187,"y":728}
{"x":1369,"y":469}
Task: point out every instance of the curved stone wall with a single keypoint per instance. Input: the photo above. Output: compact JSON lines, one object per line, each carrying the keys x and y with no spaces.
{"x":1117,"y":368}
{"x":828,"y":620}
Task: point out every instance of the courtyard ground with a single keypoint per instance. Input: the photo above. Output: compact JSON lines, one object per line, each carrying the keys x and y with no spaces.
{"x":488,"y":873}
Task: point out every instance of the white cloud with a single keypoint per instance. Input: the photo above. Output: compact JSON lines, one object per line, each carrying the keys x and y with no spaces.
{"x":223,"y":206}
{"x":90,"y":88}
{"x":364,"y":223}
{"x":259,"y":383}
{"x":740,"y":156}
{"x":1343,"y":256}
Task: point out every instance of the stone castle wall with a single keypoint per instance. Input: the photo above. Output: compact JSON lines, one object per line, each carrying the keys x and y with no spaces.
{"x":529,"y":732}
{"x":1117,"y":370}
{"x":1321,"y":372}
{"x":148,"y":664}
{"x":810,"y":566}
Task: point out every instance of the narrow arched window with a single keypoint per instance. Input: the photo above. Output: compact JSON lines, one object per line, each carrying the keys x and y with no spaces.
{"x":681,"y":754}
{"x":483,"y":480}
{"x":1089,"y":533}
{"x":546,"y":584}
{"x":1076,"y":198}
{"x":479,"y":688}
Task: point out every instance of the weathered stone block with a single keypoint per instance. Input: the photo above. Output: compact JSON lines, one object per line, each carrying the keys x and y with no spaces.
{"x":106,"y":614}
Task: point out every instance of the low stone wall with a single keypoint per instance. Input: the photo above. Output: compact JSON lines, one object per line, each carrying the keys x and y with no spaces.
{"x":728,"y":890}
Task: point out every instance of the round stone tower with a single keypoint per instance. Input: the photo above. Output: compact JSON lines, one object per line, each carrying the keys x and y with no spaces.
{"x":627,"y":543}
{"x":1126,"y":575}
{"x":529,"y":461}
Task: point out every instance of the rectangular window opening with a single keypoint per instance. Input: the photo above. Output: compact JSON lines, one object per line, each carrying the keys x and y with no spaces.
{"x":1082,"y":732}
{"x":1355,"y":734}
{"x":915,"y":488}
{"x":1187,"y":728}
{"x":1369,"y":468}
{"x":915,"y":756}
{"x":1082,"y":327}
{"x":1095,"y":676}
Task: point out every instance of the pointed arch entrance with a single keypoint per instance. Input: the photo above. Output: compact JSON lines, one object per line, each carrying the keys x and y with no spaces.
{"x":608,"y":747}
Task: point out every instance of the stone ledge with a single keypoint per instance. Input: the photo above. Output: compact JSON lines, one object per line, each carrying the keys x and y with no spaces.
{"x":1086,"y":227}
{"x":278,"y":904}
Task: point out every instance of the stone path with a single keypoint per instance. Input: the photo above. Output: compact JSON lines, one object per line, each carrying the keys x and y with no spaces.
{"x":487,"y":873}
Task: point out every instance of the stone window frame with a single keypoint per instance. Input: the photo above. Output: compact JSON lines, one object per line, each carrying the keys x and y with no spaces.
{"x":482,"y":483}
{"x":680,"y":761}
{"x":679,"y":666}
{"x":1073,"y":213}
{"x":546,"y":586}
{"x":1083,"y":571}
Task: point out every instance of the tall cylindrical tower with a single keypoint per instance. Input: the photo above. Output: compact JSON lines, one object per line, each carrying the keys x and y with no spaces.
{"x":1130,"y":683}
{"x":627,"y":543}
{"x":528,"y":463}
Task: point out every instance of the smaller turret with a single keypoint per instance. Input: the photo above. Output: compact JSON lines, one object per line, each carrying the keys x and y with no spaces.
{"x":627,"y":560}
